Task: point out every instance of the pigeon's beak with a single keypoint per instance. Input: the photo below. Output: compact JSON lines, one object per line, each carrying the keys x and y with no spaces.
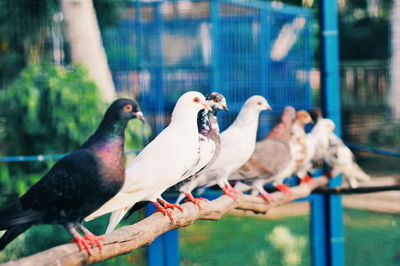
{"x":206,"y":106}
{"x":268,"y":107}
{"x":225,"y":108}
{"x":140,"y":116}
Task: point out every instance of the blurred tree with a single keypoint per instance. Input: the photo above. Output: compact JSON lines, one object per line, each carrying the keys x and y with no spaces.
{"x":26,"y":31}
{"x":364,"y":29}
{"x":86,"y":47}
{"x":49,"y":110}
{"x":395,"y":61}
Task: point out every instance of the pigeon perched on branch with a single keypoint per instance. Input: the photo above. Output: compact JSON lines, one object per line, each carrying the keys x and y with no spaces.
{"x":270,"y":155}
{"x":340,"y":158}
{"x":317,"y":143}
{"x":170,"y":158}
{"x":237,"y":144}
{"x":77,"y":184}
{"x":270,"y":152}
{"x":292,"y":156}
{"x":210,"y":145}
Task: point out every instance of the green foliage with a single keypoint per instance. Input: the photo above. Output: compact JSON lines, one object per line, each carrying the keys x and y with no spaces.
{"x":109,"y":11}
{"x":50,"y":110}
{"x":355,"y":35}
{"x":387,"y":136}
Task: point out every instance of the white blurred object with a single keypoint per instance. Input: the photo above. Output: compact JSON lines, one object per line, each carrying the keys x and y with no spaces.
{"x":341,"y":159}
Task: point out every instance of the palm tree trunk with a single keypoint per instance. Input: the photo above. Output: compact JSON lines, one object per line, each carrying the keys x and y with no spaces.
{"x":85,"y":42}
{"x":394,"y":97}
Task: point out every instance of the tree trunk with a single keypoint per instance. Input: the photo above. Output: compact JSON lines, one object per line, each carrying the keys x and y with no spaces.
{"x":394,"y":97}
{"x":87,"y":48}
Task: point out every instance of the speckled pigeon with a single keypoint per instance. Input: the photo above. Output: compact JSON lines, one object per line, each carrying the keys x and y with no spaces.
{"x":210,"y":145}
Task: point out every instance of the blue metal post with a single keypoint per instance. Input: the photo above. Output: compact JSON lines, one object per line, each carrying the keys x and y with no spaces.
{"x":159,"y":64}
{"x":164,"y":250}
{"x":265,"y":39}
{"x":318,"y":228}
{"x":155,"y":252}
{"x":215,"y":49}
{"x":264,"y":50}
{"x":331,"y":109}
{"x":330,"y":95}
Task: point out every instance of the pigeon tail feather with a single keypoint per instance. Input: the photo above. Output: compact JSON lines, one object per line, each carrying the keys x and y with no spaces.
{"x":115,"y":218}
{"x":15,"y":215}
{"x":119,"y":201}
{"x":12,"y":233}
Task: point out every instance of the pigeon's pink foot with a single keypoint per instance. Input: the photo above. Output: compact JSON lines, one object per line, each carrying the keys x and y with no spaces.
{"x":285,"y":190}
{"x":268,"y":197}
{"x":94,"y":240}
{"x":234,"y":191}
{"x":229,"y":193}
{"x":170,"y":205}
{"x":163,"y":211}
{"x":195,"y":201}
{"x":307,"y":179}
{"x":82,"y":243}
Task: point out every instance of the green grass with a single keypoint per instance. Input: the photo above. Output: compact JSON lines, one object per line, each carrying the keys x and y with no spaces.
{"x":370,"y":239}
{"x":237,"y":240}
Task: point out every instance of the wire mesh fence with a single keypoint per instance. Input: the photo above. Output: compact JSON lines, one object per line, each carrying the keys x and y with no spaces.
{"x":238,"y":49}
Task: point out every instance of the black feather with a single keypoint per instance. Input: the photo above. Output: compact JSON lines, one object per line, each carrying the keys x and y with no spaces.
{"x":12,"y":233}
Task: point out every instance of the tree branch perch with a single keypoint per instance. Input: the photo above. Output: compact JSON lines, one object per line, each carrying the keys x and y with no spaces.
{"x":142,"y":233}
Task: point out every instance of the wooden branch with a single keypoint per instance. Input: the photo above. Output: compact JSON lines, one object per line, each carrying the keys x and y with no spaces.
{"x":142,"y":233}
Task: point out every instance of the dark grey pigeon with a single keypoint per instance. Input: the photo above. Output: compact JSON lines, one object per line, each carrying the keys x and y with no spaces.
{"x":77,"y":184}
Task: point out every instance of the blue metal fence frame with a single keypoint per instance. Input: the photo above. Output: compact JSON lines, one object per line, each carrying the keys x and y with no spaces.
{"x":330,"y":98}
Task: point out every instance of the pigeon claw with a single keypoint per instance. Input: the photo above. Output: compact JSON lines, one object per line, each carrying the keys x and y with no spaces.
{"x":234,"y":191}
{"x":285,"y":190}
{"x":94,"y":240}
{"x":195,"y":201}
{"x":82,"y":243}
{"x":170,"y":205}
{"x":307,"y":179}
{"x":163,"y":211}
{"x":268,"y":197}
{"x":230,"y":193}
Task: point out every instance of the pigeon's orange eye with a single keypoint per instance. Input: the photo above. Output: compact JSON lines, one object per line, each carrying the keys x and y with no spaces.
{"x":196,"y":99}
{"x":259,"y":103}
{"x":216,"y":100}
{"x":128,"y":108}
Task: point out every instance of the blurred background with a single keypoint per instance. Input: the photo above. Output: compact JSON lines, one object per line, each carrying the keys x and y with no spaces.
{"x":63,"y":61}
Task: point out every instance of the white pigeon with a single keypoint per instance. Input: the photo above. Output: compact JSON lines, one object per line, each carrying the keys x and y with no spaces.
{"x":341,"y":159}
{"x":317,"y":143}
{"x":270,"y":156}
{"x":237,"y":145}
{"x":210,"y":145}
{"x":168,"y":159}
